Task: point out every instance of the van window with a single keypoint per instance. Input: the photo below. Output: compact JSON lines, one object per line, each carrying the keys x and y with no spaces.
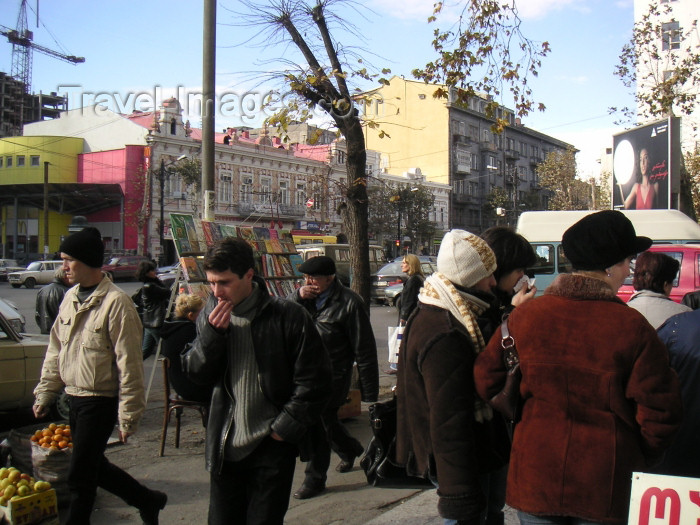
{"x":563,"y":266}
{"x":342,"y":255}
{"x":545,"y":259}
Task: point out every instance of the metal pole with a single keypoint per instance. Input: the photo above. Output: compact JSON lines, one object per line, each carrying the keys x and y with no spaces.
{"x":46,"y":210}
{"x":162,"y":218}
{"x":208,"y":76}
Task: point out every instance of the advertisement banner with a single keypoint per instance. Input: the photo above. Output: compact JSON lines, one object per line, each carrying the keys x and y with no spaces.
{"x":667,"y":500}
{"x":643,"y":167}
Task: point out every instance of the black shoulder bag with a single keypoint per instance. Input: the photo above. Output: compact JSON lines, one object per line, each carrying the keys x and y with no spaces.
{"x":508,"y":401}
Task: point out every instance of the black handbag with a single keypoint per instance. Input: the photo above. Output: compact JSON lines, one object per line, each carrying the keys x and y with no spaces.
{"x":376,"y":461}
{"x":508,"y":401}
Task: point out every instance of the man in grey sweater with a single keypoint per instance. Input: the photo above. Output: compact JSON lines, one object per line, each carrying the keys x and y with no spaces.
{"x":271,"y":381}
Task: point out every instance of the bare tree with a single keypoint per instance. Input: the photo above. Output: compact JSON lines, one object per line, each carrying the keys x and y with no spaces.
{"x":558,"y":174}
{"x":322,"y":81}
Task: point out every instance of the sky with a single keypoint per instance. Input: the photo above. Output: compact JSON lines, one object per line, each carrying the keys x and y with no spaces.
{"x":136,"y":53}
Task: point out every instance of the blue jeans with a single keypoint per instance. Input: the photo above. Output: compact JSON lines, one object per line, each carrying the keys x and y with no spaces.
{"x":150,"y":342}
{"x":531,"y":519}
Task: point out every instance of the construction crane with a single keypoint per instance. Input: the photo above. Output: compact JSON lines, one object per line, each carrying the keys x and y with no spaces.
{"x":21,"y":39}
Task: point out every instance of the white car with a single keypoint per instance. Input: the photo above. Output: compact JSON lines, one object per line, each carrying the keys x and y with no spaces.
{"x":38,"y":272}
{"x":7,"y":266}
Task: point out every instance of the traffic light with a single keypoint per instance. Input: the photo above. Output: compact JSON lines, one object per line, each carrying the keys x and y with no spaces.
{"x":397,"y":242}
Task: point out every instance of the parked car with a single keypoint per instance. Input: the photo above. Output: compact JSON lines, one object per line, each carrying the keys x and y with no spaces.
{"x":688,"y":278}
{"x":7,"y":266}
{"x":10,"y":311}
{"x":123,"y":266}
{"x":391,"y":275}
{"x":21,"y":359}
{"x":38,"y":272}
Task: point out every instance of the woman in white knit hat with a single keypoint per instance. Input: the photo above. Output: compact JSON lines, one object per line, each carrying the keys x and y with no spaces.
{"x":445,"y":432}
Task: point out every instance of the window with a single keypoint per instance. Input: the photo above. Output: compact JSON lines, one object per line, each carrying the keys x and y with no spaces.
{"x":225,"y":186}
{"x":173,"y":127}
{"x":34,"y":160}
{"x":246,"y":186}
{"x":369,"y":170}
{"x":491,"y":163}
{"x":301,"y":194}
{"x":473,"y":132}
{"x":284,"y":192}
{"x":462,"y":128}
{"x":8,"y":162}
{"x":265,"y":189}
{"x":0,"y":162}
{"x":474,"y":161}
{"x":545,"y":259}
{"x":523,"y":148}
{"x":20,"y":161}
{"x":670,"y":36}
{"x":340,"y":157}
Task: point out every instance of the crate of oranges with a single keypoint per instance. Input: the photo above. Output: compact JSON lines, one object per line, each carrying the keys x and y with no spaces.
{"x":54,"y":437}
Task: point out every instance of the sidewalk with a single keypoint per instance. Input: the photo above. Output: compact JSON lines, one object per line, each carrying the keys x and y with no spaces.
{"x":181,"y":474}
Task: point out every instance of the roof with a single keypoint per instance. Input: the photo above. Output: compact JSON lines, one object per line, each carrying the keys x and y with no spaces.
{"x":68,"y":198}
{"x":659,"y":225}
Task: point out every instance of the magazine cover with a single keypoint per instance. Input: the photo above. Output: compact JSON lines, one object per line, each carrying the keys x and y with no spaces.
{"x":192,"y":270}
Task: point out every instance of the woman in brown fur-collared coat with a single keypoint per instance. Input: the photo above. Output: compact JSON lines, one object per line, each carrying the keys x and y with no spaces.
{"x":600,"y":400}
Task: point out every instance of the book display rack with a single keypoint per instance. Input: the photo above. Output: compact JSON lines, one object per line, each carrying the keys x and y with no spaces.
{"x":276,"y":257}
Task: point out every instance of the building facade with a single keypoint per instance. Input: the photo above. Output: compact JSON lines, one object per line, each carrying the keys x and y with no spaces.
{"x":679,"y":33}
{"x":454,"y":144}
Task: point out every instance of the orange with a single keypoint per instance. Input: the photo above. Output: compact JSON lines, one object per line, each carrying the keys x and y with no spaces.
{"x":46,"y":432}
{"x":62,"y":444}
{"x":52,"y":426}
{"x":58,"y":431}
{"x":45,"y":445}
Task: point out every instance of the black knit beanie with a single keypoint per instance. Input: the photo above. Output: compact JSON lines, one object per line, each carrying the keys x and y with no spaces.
{"x":86,"y":246}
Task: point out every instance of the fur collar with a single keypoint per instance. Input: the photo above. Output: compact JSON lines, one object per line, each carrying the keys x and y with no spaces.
{"x":582,"y":287}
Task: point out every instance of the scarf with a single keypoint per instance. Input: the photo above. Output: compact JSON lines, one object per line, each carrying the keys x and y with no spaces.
{"x":440,"y":292}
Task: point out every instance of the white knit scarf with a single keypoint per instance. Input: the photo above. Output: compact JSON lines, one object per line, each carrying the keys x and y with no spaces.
{"x":439,"y":291}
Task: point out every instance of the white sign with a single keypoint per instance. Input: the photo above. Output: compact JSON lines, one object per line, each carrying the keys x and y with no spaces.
{"x":664,"y":500}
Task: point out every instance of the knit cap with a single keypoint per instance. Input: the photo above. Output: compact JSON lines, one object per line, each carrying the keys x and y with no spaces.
{"x":464,"y":258}
{"x":85,"y":246}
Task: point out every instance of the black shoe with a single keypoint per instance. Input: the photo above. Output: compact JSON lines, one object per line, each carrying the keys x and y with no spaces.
{"x":346,"y":465}
{"x":390,"y":371}
{"x":307,"y":491}
{"x":149,"y":514}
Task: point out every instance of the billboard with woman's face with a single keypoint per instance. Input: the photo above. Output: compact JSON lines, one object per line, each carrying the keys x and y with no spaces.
{"x":644,"y":167}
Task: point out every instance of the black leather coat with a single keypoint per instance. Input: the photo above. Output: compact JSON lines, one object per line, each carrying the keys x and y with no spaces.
{"x":294,"y":372}
{"x":48,"y":300}
{"x":344,"y":325}
{"x":153,"y":301}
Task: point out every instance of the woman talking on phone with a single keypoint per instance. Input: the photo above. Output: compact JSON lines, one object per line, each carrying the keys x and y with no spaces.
{"x":599,"y":399}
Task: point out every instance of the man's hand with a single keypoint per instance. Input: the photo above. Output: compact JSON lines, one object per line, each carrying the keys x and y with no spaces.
{"x":309,"y":291}
{"x":274,"y":435}
{"x":124,"y":436}
{"x":40,"y":411}
{"x":220,"y":316}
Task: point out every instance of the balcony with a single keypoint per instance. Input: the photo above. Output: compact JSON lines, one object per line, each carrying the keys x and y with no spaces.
{"x":271,"y":210}
{"x":535,"y":160}
{"x":458,"y":138}
{"x":487,"y":145}
{"x":463,"y":198}
{"x":512,"y":154}
{"x":292,"y":210}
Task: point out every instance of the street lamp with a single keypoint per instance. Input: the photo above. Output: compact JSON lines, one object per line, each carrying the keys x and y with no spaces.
{"x":161,"y":176}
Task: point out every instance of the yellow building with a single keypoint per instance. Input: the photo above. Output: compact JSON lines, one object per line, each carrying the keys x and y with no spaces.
{"x":23,"y":161}
{"x":452,"y":143}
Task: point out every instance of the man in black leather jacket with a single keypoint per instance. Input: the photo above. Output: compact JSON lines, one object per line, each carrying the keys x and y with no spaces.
{"x":271,"y":380}
{"x":342,"y":319}
{"x":49,"y":299}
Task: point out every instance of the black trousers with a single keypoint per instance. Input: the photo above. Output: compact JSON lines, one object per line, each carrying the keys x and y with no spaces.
{"x":92,"y":421}
{"x":256,"y":489}
{"x":331,"y":434}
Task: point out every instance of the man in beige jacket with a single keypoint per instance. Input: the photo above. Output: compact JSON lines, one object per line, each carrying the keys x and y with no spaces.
{"x":95,"y":353}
